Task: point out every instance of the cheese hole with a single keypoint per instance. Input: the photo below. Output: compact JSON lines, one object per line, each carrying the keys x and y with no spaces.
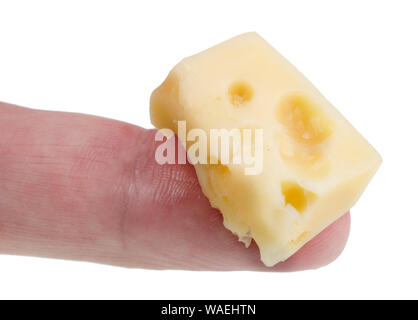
{"x":220,"y":180}
{"x":220,"y":169}
{"x":305,"y":122}
{"x":300,"y":238}
{"x":240,"y":92}
{"x":219,"y":177}
{"x":296,"y":196}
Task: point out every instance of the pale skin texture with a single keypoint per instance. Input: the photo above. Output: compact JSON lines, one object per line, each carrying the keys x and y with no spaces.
{"x":80,"y":187}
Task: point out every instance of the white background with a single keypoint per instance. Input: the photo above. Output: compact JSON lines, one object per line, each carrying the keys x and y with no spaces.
{"x":105,"y":58}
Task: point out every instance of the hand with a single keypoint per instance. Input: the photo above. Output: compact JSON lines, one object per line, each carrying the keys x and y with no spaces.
{"x":81,"y":187}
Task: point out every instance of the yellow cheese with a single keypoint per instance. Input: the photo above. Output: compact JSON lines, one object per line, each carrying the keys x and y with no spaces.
{"x":315,"y":164}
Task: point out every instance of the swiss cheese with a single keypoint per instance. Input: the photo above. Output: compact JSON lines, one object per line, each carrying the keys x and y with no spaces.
{"x":315,"y":165}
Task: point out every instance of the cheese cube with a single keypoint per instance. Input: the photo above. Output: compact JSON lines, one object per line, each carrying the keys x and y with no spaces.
{"x":315,"y":165}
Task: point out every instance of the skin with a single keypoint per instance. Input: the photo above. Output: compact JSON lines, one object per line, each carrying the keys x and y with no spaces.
{"x":80,"y":187}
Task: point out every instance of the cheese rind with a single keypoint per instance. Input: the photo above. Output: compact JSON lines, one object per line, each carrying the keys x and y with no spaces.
{"x":315,"y":164}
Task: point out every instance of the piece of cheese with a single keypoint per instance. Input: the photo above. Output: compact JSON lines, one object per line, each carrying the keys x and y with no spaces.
{"x":315,"y":164}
